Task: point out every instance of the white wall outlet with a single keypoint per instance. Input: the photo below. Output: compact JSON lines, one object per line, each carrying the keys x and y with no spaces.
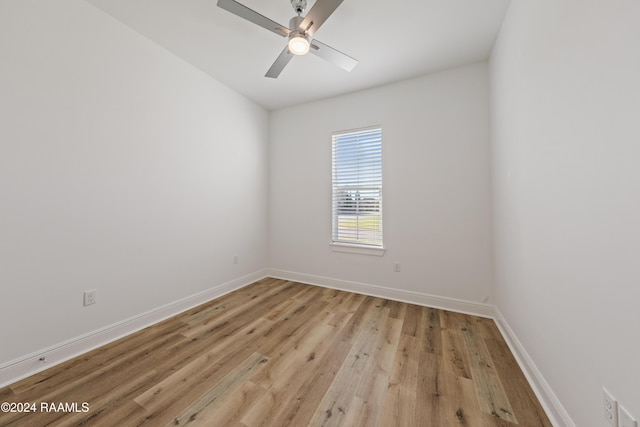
{"x":625,"y":419}
{"x":89,"y":297}
{"x":235,"y":259}
{"x":610,"y":408}
{"x":396,"y":267}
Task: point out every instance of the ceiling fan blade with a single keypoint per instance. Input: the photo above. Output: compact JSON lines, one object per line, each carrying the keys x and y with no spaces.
{"x":319,"y":13}
{"x":281,"y":62}
{"x":332,"y":55}
{"x":251,"y":15}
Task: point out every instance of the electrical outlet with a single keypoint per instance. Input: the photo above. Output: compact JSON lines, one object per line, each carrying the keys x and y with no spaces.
{"x":89,"y":297}
{"x":396,"y":267}
{"x":235,"y":259}
{"x":625,"y":419}
{"x":610,"y":408}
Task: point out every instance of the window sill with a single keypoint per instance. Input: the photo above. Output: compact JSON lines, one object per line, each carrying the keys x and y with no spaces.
{"x":356,"y":249}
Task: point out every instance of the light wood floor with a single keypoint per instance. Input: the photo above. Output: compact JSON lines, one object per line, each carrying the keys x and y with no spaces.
{"x":280,"y":353}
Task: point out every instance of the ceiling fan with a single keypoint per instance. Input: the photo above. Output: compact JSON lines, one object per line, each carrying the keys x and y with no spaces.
{"x":300,"y":32}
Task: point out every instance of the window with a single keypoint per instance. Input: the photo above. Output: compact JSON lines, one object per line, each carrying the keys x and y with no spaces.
{"x":357,"y":188}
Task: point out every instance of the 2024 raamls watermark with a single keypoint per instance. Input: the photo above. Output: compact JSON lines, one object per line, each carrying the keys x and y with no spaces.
{"x":52,"y":407}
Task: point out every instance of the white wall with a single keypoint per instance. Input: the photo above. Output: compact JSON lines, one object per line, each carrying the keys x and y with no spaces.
{"x":437,"y":217}
{"x":565,"y":92}
{"x":122,"y":169}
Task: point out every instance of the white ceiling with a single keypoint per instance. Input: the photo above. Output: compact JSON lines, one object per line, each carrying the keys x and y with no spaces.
{"x":393,"y":40}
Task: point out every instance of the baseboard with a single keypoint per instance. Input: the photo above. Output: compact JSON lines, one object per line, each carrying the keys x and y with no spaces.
{"x":451,"y":304}
{"x":558,"y":416}
{"x":32,"y":364}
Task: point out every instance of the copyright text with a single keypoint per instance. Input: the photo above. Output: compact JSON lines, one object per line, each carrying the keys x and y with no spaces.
{"x":61,"y":407}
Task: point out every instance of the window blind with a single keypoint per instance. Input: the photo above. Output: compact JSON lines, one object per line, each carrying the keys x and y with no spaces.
{"x":357,"y":187}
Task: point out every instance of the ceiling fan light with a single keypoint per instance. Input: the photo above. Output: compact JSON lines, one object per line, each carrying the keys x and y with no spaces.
{"x":299,"y":44}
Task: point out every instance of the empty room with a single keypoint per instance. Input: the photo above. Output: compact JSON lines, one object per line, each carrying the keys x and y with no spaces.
{"x":320,"y":213}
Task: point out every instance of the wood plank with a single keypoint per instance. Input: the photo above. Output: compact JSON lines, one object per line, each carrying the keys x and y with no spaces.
{"x":454,"y":349}
{"x":352,"y":376}
{"x":399,"y":405}
{"x":203,"y":410}
{"x":491,"y":395}
{"x":521,"y":396}
{"x":231,"y":410}
{"x":432,"y":333}
{"x":430,"y":409}
{"x":379,"y":365}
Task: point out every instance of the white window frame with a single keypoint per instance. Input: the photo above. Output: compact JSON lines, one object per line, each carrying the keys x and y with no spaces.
{"x":372,"y":183}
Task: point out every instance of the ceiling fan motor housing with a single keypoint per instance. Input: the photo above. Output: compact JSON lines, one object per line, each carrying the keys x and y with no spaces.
{"x":299,"y":6}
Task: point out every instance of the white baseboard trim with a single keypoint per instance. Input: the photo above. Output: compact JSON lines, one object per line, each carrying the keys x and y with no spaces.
{"x":451,"y":304}
{"x":31,"y":364}
{"x":558,"y":416}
